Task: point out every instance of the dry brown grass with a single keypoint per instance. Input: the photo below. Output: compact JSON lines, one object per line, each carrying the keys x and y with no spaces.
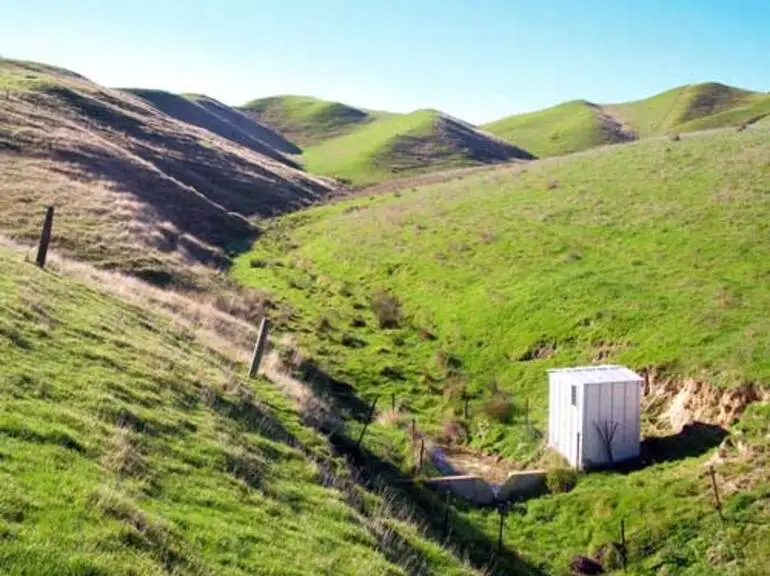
{"x":135,"y":190}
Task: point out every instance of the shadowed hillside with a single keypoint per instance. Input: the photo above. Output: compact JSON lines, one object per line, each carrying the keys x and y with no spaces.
{"x":414,"y":143}
{"x":306,"y":120}
{"x":222,"y":120}
{"x":136,"y":189}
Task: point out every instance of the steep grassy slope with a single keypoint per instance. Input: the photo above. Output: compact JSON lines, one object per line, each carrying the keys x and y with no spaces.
{"x":128,"y":446}
{"x":307,"y":120}
{"x":229,"y":123}
{"x":693,"y":107}
{"x":414,"y":143}
{"x":653,"y":255}
{"x":136,"y":189}
{"x":649,"y":254}
{"x":568,"y":127}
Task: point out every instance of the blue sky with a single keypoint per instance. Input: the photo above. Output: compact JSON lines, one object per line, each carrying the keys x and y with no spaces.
{"x":477,"y":59}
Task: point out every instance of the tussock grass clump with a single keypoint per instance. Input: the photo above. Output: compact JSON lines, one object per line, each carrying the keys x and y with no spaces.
{"x":560,"y":480}
{"x":387,"y":309}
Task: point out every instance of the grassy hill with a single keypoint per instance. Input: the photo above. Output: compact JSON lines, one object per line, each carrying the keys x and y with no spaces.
{"x":136,"y":189}
{"x":307,"y":120}
{"x":568,"y":127}
{"x":693,"y":107}
{"x":423,"y":141}
{"x":651,"y":255}
{"x":579,"y":125}
{"x":130,"y":446}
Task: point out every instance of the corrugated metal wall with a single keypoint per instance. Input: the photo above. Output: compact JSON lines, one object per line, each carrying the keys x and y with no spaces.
{"x":582,"y":425}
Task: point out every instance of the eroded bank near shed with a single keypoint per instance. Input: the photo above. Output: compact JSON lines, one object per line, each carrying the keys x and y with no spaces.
{"x":594,"y":414}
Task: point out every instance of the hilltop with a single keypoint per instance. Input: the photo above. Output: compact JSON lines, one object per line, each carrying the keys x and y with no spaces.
{"x":693,"y":107}
{"x":649,"y":255}
{"x":562,"y":129}
{"x":138,"y":189}
{"x":579,"y":125}
{"x":423,"y":141}
{"x":307,"y":120}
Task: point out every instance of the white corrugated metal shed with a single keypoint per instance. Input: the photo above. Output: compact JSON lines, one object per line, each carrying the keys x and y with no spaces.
{"x":597,"y":374}
{"x":594,"y":414}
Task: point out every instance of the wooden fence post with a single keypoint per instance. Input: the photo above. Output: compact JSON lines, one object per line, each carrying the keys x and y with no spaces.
{"x":393,"y":401}
{"x":526,"y":412}
{"x":501,"y":511}
{"x":45,"y":238}
{"x":465,"y":407}
{"x":422,"y":451}
{"x":259,"y":347}
{"x":623,"y":549}
{"x":717,"y":501}
{"x":445,"y":522}
{"x":414,"y":429}
{"x":366,"y":424}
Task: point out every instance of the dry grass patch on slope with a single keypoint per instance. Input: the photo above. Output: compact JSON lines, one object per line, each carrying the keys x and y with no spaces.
{"x":136,"y":190}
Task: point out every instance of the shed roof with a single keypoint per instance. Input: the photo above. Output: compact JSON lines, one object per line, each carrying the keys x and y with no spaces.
{"x":597,"y":374}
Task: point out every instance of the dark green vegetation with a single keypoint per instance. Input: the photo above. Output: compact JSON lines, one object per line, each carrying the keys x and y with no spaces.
{"x":137,"y":189}
{"x":415,"y":143}
{"x":129,"y":446}
{"x":654,"y":254}
{"x":306,"y":120}
{"x":579,"y":125}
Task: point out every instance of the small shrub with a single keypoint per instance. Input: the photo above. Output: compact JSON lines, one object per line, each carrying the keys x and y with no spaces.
{"x":257,"y":263}
{"x":560,"y":480}
{"x":426,"y":334}
{"x":453,"y":432}
{"x":448,"y":362}
{"x":398,"y":340}
{"x":350,"y":341}
{"x":500,"y":407}
{"x":387,"y":308}
{"x":323,"y":325}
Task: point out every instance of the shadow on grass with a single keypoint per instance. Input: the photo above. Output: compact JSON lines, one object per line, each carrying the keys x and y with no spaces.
{"x":441,"y":523}
{"x":340,"y":396}
{"x":692,"y":440}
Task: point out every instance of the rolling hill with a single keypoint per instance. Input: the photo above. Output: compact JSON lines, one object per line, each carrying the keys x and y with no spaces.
{"x":307,"y":120}
{"x":693,"y":107}
{"x":137,"y":189}
{"x":562,"y":129}
{"x":423,"y":141}
{"x":652,"y":255}
{"x":579,"y":125}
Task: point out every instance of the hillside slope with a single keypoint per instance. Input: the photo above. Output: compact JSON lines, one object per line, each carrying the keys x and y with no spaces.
{"x":650,"y":255}
{"x":415,"y":143}
{"x":128,"y":446}
{"x":229,"y":123}
{"x":693,"y":107}
{"x":136,"y":189}
{"x":562,"y":129}
{"x":579,"y":125}
{"x":307,"y":120}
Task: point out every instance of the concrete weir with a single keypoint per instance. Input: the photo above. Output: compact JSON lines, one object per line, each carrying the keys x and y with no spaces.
{"x":517,"y":487}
